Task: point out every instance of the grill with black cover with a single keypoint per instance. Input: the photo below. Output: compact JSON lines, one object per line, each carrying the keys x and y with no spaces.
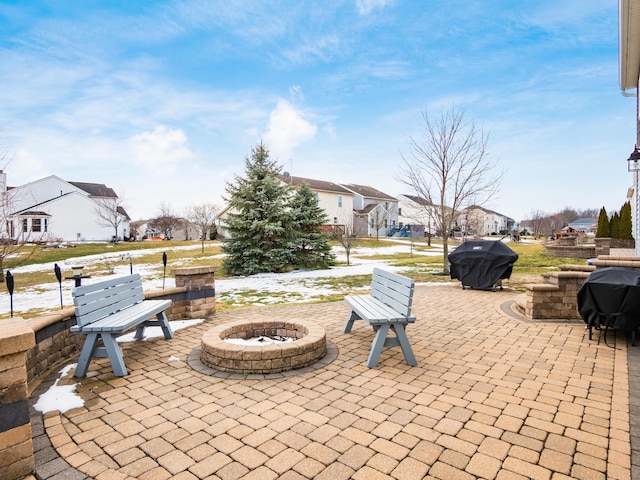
{"x":482,"y":264}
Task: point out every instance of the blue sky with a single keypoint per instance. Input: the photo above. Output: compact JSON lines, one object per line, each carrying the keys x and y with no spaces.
{"x":163,"y":100}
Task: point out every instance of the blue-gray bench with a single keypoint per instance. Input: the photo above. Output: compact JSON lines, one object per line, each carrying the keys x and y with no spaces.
{"x":108,"y":309}
{"x":388,"y":306}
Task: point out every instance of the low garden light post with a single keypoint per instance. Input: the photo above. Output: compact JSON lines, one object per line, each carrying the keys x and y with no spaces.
{"x":127,"y":256}
{"x":164,"y":263}
{"x":58,"y":272}
{"x":633,"y":166}
{"x":77,"y":275}
{"x":9,"y":281}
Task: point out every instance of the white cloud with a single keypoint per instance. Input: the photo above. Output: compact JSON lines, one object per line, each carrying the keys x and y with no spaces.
{"x":161,"y":150}
{"x":366,"y":6}
{"x":287,"y":129}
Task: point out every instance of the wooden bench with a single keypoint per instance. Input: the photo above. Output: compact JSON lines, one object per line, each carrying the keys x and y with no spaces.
{"x":388,"y":306}
{"x":108,"y":309}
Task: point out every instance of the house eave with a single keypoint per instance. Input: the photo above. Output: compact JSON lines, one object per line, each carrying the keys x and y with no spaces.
{"x":629,"y":45}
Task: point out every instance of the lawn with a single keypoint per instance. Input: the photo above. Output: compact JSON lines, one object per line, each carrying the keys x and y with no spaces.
{"x":34,"y":276}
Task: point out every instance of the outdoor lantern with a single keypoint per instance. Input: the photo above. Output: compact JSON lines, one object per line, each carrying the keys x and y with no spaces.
{"x":77,"y":270}
{"x":633,"y":162}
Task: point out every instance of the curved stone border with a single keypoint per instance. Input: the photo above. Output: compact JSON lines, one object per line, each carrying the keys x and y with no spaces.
{"x":309,"y":346}
{"x":195,"y":362}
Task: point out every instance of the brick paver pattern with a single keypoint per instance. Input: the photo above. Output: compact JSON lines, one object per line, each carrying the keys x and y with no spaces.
{"x":492,"y":397}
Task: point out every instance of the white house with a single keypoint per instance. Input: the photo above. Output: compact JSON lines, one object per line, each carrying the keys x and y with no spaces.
{"x":375,"y":212}
{"x":413,"y":210}
{"x":336,"y":201}
{"x":53,"y":209}
{"x":481,"y":221}
{"x":585,"y":224}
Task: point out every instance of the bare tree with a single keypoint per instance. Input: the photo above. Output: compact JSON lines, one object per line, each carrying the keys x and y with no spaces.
{"x":536,"y":221}
{"x":379,"y":218}
{"x":449,"y":167}
{"x":166,"y":222}
{"x":203,"y":217}
{"x":345,"y":234}
{"x":110,"y":212}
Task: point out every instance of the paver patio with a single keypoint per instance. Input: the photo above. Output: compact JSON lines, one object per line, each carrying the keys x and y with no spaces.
{"x":493,"y":396}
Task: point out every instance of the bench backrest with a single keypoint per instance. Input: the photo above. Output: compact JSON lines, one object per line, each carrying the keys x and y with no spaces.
{"x":393,"y":290}
{"x":98,"y":300}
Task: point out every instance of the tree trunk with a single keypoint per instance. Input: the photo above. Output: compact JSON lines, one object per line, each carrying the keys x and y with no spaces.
{"x":445,"y":254}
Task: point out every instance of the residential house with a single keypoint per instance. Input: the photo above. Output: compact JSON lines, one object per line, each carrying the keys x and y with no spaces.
{"x":414,"y":210}
{"x":629,"y":78}
{"x":143,"y":230}
{"x":54,"y":209}
{"x":374,"y":211}
{"x":480,"y":221}
{"x":585,"y":225}
{"x":335,"y":200}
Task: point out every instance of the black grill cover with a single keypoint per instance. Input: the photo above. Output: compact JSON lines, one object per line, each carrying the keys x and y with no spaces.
{"x":481,"y":263}
{"x":611,"y":290}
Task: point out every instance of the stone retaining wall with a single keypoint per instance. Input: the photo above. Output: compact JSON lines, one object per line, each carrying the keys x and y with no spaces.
{"x":556,"y":298}
{"x":29,"y":349}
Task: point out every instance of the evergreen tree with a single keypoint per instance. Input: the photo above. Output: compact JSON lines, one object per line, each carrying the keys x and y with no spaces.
{"x":614,"y":226}
{"x":259,"y":223}
{"x":310,"y":245}
{"x":626,"y":230}
{"x":603,"y":224}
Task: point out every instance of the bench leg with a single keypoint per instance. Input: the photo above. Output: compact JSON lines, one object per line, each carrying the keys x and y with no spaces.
{"x":91,"y":349}
{"x":404,"y":344}
{"x":161,"y":321}
{"x":381,"y":340}
{"x":114,"y":352}
{"x":376,"y":345}
{"x":350,"y":319}
{"x":88,"y":350}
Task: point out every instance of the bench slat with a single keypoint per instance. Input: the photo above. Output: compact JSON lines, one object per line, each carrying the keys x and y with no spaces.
{"x":96,"y":301}
{"x":127,"y":318}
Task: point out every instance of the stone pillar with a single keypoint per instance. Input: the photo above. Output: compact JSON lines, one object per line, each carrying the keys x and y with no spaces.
{"x":603,"y":246}
{"x":201,"y":293}
{"x":16,"y":446}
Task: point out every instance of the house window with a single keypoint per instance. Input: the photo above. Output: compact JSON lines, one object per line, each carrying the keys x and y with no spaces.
{"x":10,"y":231}
{"x":36,"y":225}
{"x":317,"y":198}
{"x":46,"y":225}
{"x":339,"y":200}
{"x":399,"y":211}
{"x":25,"y":225}
{"x":372,"y":224}
{"x":386,"y":223}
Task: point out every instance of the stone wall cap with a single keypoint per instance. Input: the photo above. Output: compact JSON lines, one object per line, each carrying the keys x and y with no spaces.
{"x":576,"y":268}
{"x":46,"y":319}
{"x":541,"y":287}
{"x":193,"y":270}
{"x":15,"y":336}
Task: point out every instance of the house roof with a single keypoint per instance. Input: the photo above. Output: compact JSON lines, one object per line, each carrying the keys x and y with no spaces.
{"x":33,"y":213}
{"x":366,"y":210}
{"x":313,"y":184}
{"x":418,"y":200}
{"x":123,"y":212}
{"x":583,"y":220}
{"x":95,"y":189}
{"x":368,"y":192}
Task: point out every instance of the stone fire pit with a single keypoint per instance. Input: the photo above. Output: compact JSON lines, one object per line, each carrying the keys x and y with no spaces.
{"x":308,"y":346}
